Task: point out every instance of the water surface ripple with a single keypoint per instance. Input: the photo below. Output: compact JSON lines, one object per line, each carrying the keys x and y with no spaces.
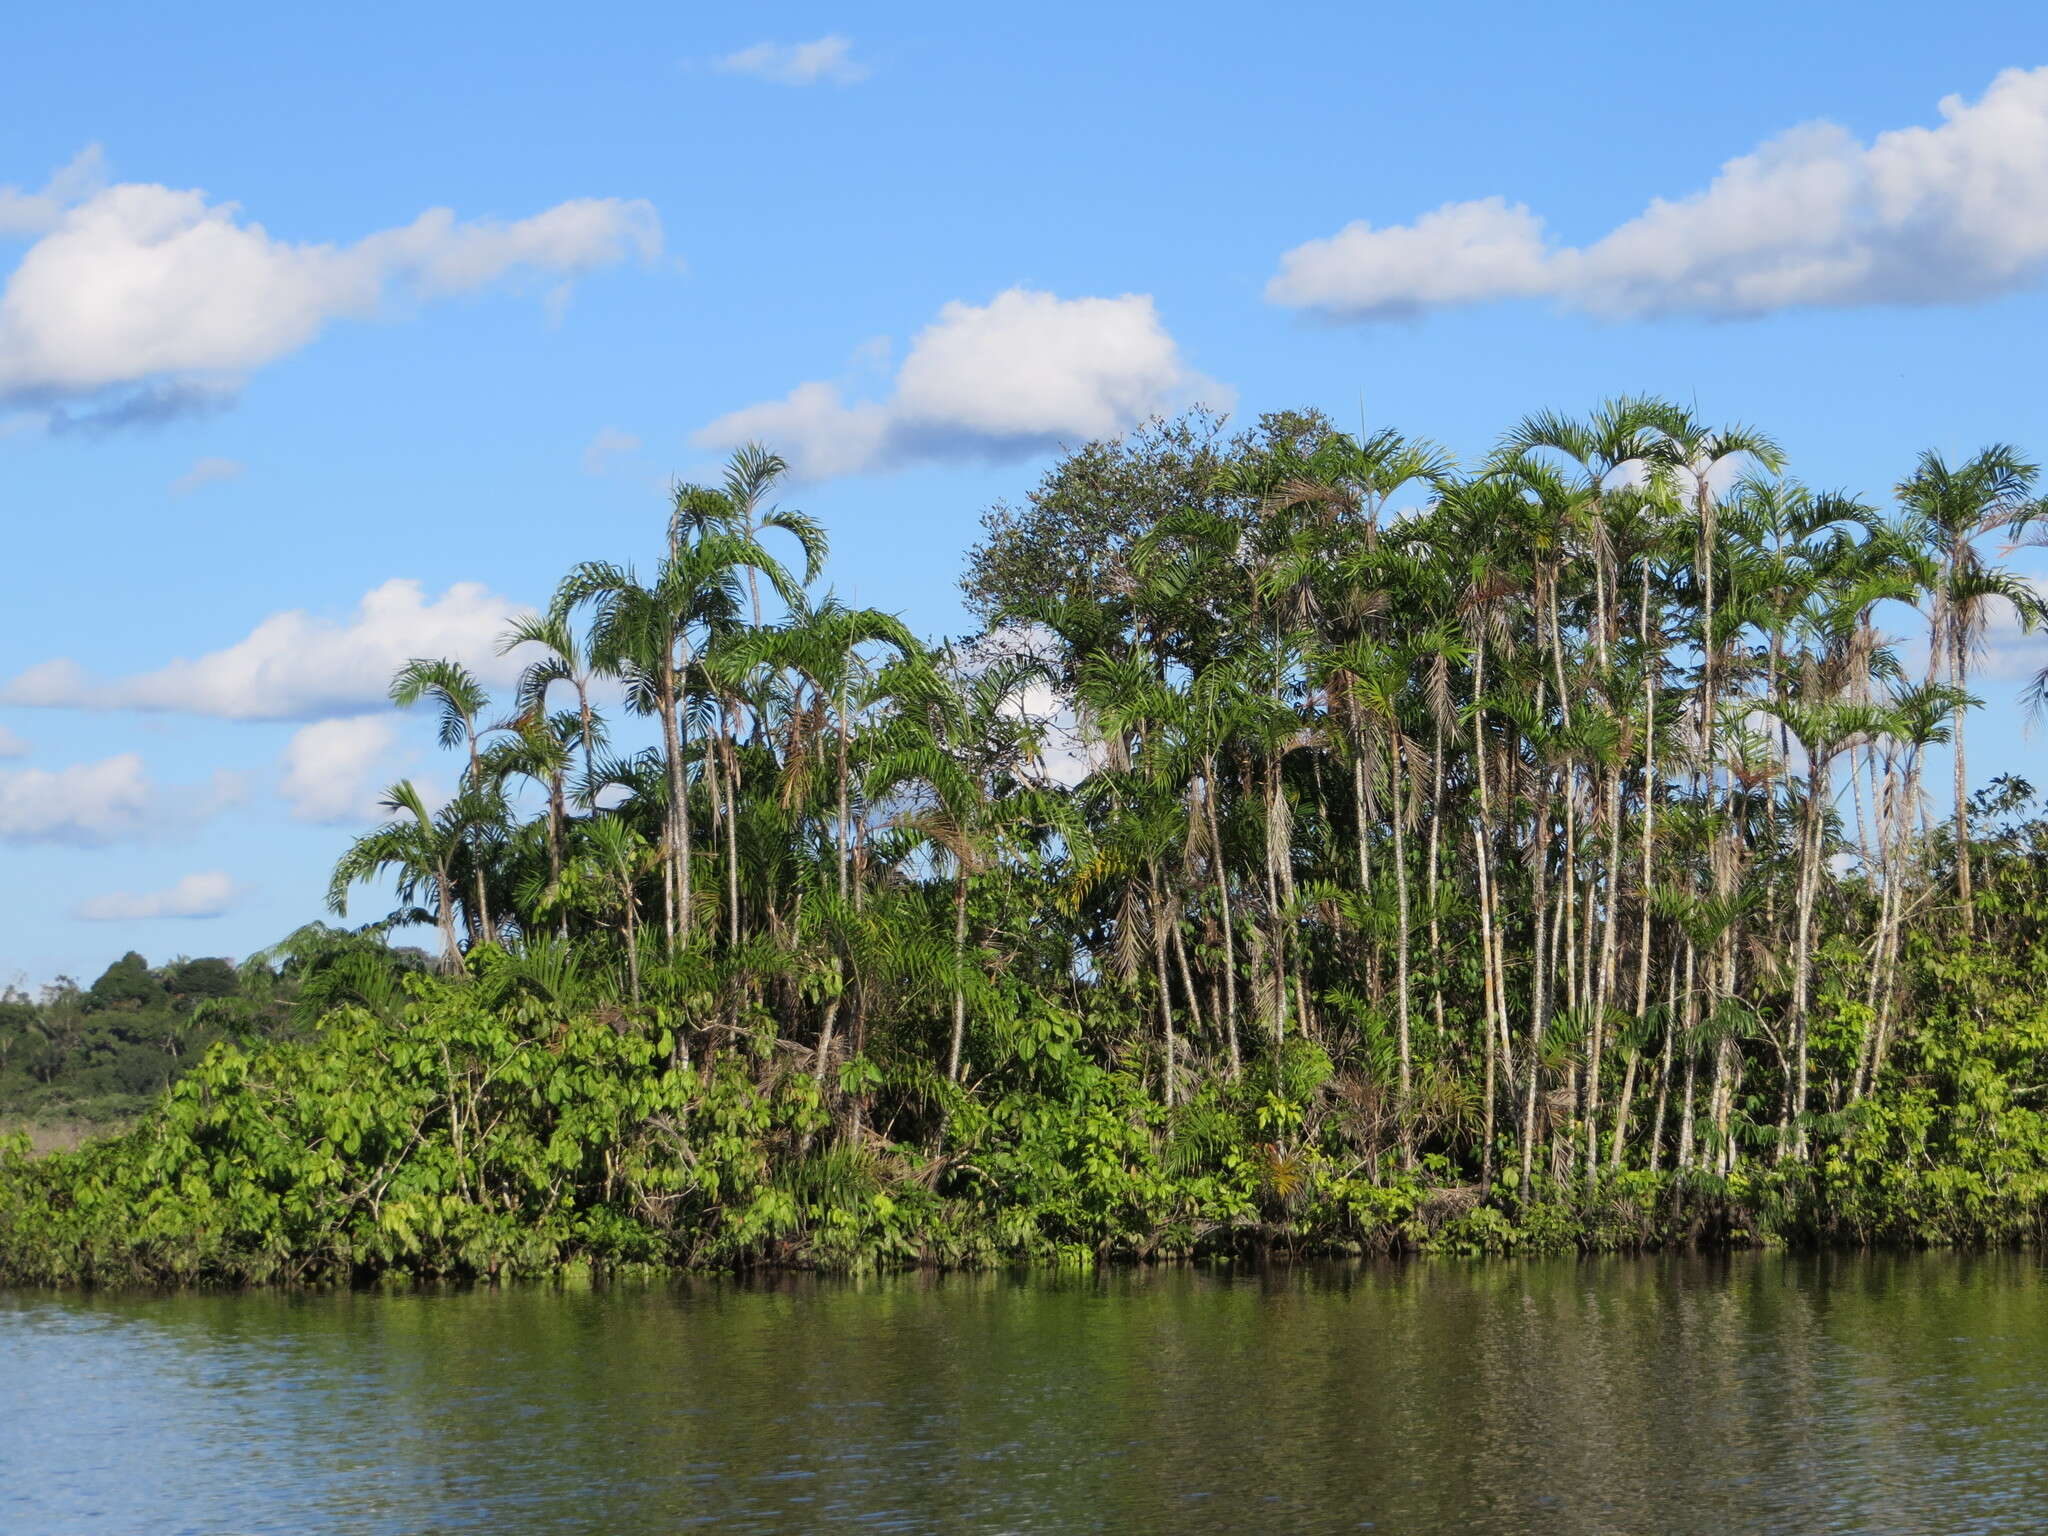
{"x":1757,"y":1393}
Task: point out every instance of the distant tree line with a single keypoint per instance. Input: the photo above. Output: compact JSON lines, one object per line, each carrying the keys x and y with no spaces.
{"x":108,"y":1051}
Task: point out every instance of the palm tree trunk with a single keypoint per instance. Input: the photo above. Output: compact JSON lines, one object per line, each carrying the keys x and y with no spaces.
{"x":632,"y":940}
{"x":1398,"y":797}
{"x":1222,"y":872}
{"x":1539,"y":981}
{"x":1664,"y":1066}
{"x":840,"y":828}
{"x":732,"y":831}
{"x":1685,"y":1113}
{"x":1159,"y":927}
{"x":1802,"y":947}
{"x":1604,"y":985}
{"x":1436,"y":817}
{"x":824,"y":1056}
{"x":444,"y":901}
{"x":959,"y":975}
{"x":1492,"y":1003}
{"x":678,"y":804}
{"x":1959,"y":666}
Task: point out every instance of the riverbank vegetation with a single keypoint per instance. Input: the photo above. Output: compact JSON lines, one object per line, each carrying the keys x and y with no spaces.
{"x":1324,"y":847}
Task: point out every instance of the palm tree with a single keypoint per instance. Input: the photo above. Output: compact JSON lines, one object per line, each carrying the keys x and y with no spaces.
{"x":421,"y":848}
{"x":652,"y":636}
{"x":947,"y":762}
{"x":1592,"y":713}
{"x":459,"y":699}
{"x":1947,"y":509}
{"x":561,"y":661}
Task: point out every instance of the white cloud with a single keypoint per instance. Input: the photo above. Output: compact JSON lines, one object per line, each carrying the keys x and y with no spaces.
{"x":1067,"y":751}
{"x":827,"y":59}
{"x":1022,"y":373}
{"x":110,"y":801}
{"x":2009,"y":653}
{"x":1462,"y":253}
{"x":144,"y":299}
{"x":1811,"y":219}
{"x":11,"y":745}
{"x":202,"y":895}
{"x":331,"y":768}
{"x":609,"y":444}
{"x":294,"y":666}
{"x":206,"y":472}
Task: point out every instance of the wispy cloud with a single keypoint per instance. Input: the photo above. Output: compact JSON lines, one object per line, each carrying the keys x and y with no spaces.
{"x":1001,"y":380}
{"x":30,"y":213}
{"x":610,"y":443}
{"x":11,"y":745}
{"x":1812,"y":219}
{"x":110,"y":801}
{"x":827,"y":60}
{"x":295,"y":666}
{"x":202,"y":895}
{"x":206,"y":472}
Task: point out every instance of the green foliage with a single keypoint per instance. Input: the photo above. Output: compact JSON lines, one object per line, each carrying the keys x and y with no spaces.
{"x":1328,"y":848}
{"x":104,"y":1053}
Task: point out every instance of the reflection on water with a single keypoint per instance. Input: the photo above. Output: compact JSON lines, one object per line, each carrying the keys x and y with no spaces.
{"x":1752,"y":1394}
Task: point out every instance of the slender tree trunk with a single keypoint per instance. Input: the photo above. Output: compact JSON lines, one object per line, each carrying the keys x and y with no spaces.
{"x":839,"y":829}
{"x":1399,"y":798}
{"x":1685,"y":1115}
{"x":1604,"y":985}
{"x":959,"y":975}
{"x":1539,"y":981}
{"x":1492,"y":1004}
{"x":1664,"y":1066}
{"x":1159,"y":947}
{"x":444,"y":902}
{"x":732,"y":835}
{"x":1436,"y":954}
{"x":1802,"y":956}
{"x":824,"y":1058}
{"x":679,"y":803}
{"x":1222,"y":873}
{"x":589,"y":730}
{"x":1187,"y":985}
{"x":1959,"y":668}
{"x":632,"y":937}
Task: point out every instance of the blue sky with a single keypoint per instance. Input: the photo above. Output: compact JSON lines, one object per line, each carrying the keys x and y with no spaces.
{"x":241,"y":376}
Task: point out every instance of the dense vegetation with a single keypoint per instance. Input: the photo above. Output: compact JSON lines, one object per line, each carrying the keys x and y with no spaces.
{"x":1324,"y":847}
{"x":106,"y":1052}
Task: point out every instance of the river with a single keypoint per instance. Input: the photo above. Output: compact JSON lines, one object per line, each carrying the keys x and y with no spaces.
{"x":1753,"y":1393}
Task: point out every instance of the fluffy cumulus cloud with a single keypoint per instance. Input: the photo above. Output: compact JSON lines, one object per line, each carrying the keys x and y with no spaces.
{"x":1012,"y":377}
{"x":208,"y":894}
{"x":296,"y":666}
{"x":110,"y":801}
{"x":828,"y":60}
{"x":1812,"y":219}
{"x":207,"y":472}
{"x":331,"y":769}
{"x":137,"y":300}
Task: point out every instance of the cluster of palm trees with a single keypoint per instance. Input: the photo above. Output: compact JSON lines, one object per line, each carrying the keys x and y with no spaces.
{"x":1572,"y":814}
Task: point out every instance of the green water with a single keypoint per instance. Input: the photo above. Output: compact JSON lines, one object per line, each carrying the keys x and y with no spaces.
{"x":1752,"y":1394}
